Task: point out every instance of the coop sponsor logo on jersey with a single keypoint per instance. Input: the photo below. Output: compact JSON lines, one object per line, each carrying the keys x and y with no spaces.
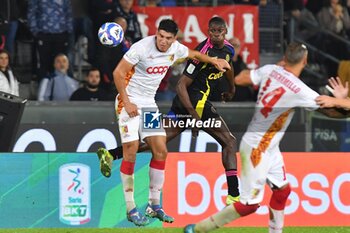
{"x":214,"y":76}
{"x":157,"y":69}
{"x":74,"y":186}
{"x":319,"y":197}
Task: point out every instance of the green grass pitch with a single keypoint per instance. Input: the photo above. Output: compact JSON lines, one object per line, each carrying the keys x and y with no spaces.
{"x":178,"y":230}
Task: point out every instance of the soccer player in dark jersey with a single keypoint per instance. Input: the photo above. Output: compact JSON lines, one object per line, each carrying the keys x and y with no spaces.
{"x":193,"y":91}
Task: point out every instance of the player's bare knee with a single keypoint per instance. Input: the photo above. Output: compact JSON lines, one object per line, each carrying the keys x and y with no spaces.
{"x":160,"y":154}
{"x":244,"y":210}
{"x":279,"y":197}
{"x":129,"y":151}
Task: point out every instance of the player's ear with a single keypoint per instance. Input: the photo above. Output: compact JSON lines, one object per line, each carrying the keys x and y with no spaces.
{"x":305,"y":61}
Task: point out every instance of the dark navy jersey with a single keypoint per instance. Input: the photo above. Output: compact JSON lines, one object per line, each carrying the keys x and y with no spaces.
{"x":205,"y":76}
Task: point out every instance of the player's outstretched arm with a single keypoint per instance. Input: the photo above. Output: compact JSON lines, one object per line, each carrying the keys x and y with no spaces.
{"x":329,"y":102}
{"x":220,"y":64}
{"x":181,"y":89}
{"x":243,"y":78}
{"x":119,"y":75}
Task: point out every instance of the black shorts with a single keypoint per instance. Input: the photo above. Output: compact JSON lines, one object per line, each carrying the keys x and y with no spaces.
{"x":203,"y":107}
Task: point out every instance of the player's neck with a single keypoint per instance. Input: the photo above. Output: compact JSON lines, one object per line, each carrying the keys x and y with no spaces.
{"x":295,"y":70}
{"x":217,"y":45}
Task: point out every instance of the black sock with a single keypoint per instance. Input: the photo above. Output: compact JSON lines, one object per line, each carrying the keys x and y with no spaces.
{"x":117,"y":153}
{"x":232,"y":182}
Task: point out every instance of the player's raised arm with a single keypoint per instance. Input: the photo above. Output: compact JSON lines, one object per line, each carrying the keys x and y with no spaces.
{"x":243,"y":78}
{"x":227,"y":96}
{"x":119,"y":75}
{"x":220,"y":64}
{"x":181,"y":89}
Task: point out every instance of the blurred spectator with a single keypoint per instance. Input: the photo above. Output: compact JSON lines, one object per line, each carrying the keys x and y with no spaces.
{"x":242,"y":93}
{"x":315,"y":5}
{"x":306,"y":25}
{"x":8,"y":82}
{"x":4,"y":24}
{"x":334,"y":17}
{"x":51,"y":23}
{"x":82,"y":26}
{"x":58,"y":86}
{"x":91,"y":91}
{"x":109,"y":58}
{"x":124,"y":9}
{"x":101,"y":11}
{"x":10,"y":12}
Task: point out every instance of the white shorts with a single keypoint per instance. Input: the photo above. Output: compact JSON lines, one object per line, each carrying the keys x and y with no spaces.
{"x":133,"y":128}
{"x":253,"y":179}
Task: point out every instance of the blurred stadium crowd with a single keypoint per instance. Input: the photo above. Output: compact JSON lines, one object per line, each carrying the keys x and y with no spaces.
{"x":49,"y":49}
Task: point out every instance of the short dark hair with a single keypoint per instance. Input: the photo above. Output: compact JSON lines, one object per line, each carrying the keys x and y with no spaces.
{"x":217,"y":21}
{"x":168,"y":25}
{"x":92,"y":69}
{"x":295,"y":52}
{"x":4,"y":51}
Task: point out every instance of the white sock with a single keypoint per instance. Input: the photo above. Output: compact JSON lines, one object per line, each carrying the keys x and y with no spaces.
{"x":128,"y":188}
{"x":221,"y":218}
{"x":276,"y":221}
{"x":155,"y":185}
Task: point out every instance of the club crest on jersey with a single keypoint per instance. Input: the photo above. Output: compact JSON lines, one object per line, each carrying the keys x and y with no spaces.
{"x":227,"y":58}
{"x":171,"y":57}
{"x":125,"y":129}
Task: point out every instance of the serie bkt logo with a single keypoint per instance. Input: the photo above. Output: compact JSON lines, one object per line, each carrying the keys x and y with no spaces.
{"x":75,"y":208}
{"x":157,"y":69}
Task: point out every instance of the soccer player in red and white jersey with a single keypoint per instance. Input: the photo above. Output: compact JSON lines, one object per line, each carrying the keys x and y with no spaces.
{"x":137,"y":78}
{"x":280,"y":92}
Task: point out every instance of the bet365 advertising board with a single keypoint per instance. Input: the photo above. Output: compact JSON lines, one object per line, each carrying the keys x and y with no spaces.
{"x":39,"y":190}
